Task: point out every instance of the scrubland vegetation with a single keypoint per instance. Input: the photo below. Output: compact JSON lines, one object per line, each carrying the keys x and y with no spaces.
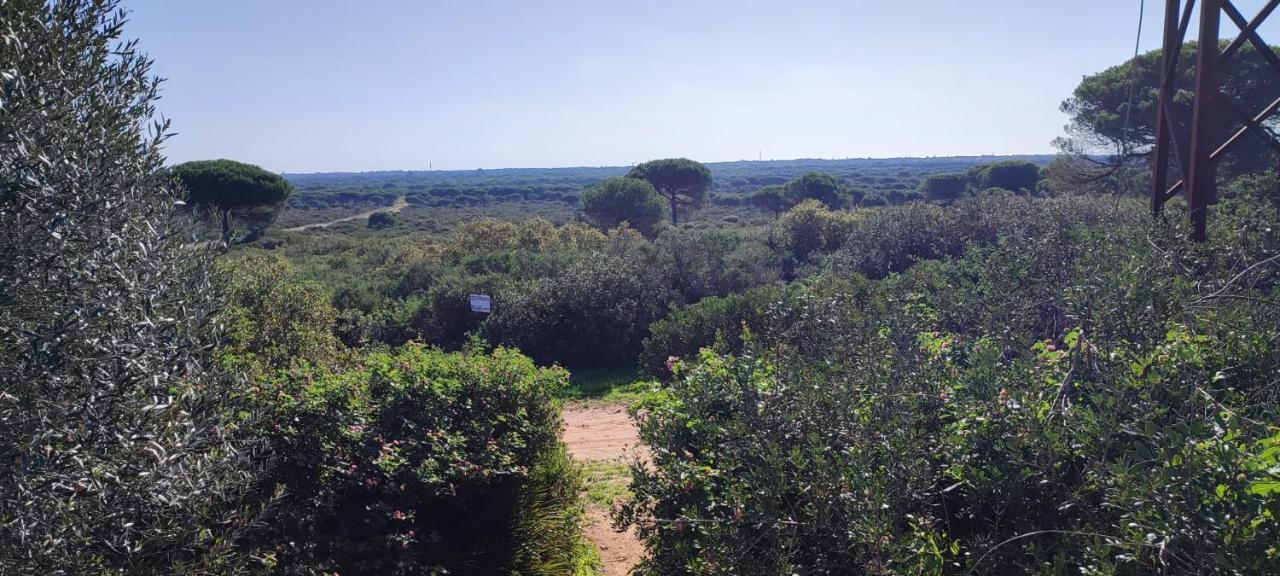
{"x":916,"y":366}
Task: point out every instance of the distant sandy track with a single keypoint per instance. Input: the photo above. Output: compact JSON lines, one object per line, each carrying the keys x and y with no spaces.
{"x":398,"y":206}
{"x":605,"y":432}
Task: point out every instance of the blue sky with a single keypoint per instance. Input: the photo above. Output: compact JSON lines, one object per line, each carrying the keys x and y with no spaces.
{"x":324,"y":85}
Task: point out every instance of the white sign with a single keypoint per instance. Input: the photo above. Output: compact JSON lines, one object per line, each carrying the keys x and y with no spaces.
{"x":481,"y":303}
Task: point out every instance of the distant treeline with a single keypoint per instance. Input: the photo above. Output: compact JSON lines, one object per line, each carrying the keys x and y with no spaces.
{"x":896,"y":180}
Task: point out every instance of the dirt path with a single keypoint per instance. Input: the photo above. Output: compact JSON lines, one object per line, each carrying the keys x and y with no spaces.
{"x":605,"y":434}
{"x":398,"y":206}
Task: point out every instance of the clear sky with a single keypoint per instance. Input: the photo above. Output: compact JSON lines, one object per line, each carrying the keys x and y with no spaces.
{"x":328,"y":85}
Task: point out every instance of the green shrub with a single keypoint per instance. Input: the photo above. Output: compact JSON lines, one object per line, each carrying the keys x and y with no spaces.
{"x":381,"y":220}
{"x":811,"y":227}
{"x":593,"y":313}
{"x":618,"y":200}
{"x":686,"y":330}
{"x":273,"y":319}
{"x":944,"y":187}
{"x":814,"y":186}
{"x":1016,"y":175}
{"x":891,"y":239}
{"x":1089,"y":395}
{"x":416,"y":460}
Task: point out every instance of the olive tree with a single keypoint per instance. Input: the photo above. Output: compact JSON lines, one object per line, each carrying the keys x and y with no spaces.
{"x":116,"y":454}
{"x":681,"y":181}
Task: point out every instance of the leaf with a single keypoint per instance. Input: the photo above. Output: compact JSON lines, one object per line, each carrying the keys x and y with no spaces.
{"x":1265,"y":488}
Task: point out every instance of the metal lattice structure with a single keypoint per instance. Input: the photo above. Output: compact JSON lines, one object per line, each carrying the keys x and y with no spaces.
{"x":1197,"y":146}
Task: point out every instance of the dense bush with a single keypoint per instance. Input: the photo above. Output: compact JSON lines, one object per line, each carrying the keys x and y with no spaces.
{"x":381,"y":220}
{"x":944,"y":187}
{"x":891,"y":239}
{"x":403,"y":460}
{"x":593,"y":313}
{"x":1015,"y":175}
{"x":814,"y":186}
{"x":810,"y":227}
{"x":694,"y":264}
{"x":1093,"y":396}
{"x":420,"y":461}
{"x":273,"y":319}
{"x":684,"y":332}
{"x":618,"y":200}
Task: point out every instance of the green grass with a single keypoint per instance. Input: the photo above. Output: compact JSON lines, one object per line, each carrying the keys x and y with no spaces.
{"x":587,"y":560}
{"x":621,"y":386}
{"x":605,"y":482}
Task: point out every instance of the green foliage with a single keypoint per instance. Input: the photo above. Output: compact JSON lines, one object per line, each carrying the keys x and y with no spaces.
{"x":715,"y":320}
{"x":554,"y":190}
{"x":1100,"y":105}
{"x":1015,"y":175}
{"x":228,"y":188}
{"x":814,"y":186}
{"x":1073,"y":395}
{"x":810,"y":227}
{"x":417,"y":460}
{"x":593,"y":313}
{"x":944,"y":187}
{"x":617,"y":200}
{"x":273,"y":319}
{"x":892,"y":239}
{"x":771,"y":198}
{"x":809,"y":186}
{"x":120,"y":448}
{"x":381,"y":220}
{"x":681,"y":181}
{"x":229,"y":185}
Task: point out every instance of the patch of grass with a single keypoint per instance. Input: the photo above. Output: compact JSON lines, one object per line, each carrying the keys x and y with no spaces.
{"x":605,"y":482}
{"x":614,"y":386}
{"x":586,"y":559}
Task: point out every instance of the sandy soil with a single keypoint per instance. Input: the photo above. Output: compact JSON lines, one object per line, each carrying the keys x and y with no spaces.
{"x":605,"y":432}
{"x":398,"y":206}
{"x":599,"y":431}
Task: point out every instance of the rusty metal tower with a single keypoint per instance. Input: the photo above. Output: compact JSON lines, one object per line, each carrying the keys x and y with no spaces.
{"x":1197,"y":145}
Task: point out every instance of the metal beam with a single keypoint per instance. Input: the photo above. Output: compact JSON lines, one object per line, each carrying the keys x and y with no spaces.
{"x":1200,"y":177}
{"x":1168,"y":68}
{"x":1195,"y":151}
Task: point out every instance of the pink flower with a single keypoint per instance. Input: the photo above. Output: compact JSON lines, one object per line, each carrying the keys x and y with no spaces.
{"x":672,"y":363}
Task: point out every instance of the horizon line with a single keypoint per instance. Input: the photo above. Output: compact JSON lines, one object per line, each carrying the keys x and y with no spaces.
{"x":603,"y":166}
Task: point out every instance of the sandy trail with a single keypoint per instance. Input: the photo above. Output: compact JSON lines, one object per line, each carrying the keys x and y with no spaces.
{"x":596,"y":433}
{"x":398,"y":206}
